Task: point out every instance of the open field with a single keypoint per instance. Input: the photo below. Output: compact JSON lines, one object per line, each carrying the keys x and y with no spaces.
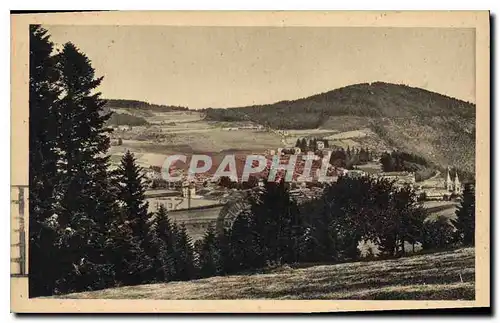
{"x":440,"y":276}
{"x":185,"y":132}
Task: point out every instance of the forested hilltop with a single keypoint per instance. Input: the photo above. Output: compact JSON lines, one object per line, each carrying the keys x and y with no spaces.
{"x":430,"y":124}
{"x":141,"y":105}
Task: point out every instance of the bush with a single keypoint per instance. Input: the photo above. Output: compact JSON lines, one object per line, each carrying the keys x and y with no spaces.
{"x":438,"y":233}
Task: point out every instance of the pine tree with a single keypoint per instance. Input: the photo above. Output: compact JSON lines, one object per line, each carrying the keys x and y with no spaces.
{"x":43,"y":101}
{"x":184,"y":254}
{"x":124,"y":252}
{"x":159,"y":247}
{"x":131,"y":194}
{"x":466,"y":216}
{"x":224,"y":250}
{"x":245,"y":250}
{"x":210,"y":261}
{"x":134,"y":210}
{"x":85,"y":202}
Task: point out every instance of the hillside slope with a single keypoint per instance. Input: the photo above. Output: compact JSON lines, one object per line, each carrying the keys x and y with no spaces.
{"x":440,"y":276}
{"x":437,"y":127}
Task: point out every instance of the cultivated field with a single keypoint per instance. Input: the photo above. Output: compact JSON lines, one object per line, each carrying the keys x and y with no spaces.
{"x":187,"y":132}
{"x":439,"y":276}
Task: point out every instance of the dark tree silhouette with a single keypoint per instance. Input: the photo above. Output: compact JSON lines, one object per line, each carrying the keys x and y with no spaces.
{"x":135,"y":215}
{"x":43,"y":177}
{"x":437,"y":233}
{"x":86,"y":199}
{"x":466,"y":216}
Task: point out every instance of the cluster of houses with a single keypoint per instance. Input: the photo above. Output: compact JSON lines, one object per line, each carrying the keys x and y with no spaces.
{"x":203,"y":191}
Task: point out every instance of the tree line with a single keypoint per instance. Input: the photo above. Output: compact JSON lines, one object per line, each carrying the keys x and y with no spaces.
{"x":311,"y":144}
{"x":350,"y":157}
{"x":275,"y":230}
{"x":397,"y":161}
{"x":345,"y":158}
{"x":90,"y":227}
{"x":134,"y":104}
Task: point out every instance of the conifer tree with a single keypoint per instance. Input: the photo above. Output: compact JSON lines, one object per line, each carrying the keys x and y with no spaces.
{"x":245,"y":252}
{"x":224,"y":250}
{"x":85,"y":200}
{"x":43,"y":101}
{"x":134,"y":211}
{"x":124,"y":252}
{"x":131,"y":194}
{"x":184,"y":254}
{"x":159,"y":247}
{"x":210,"y":262}
{"x":466,"y":216}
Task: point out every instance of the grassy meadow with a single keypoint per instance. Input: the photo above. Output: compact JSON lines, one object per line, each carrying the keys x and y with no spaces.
{"x":445,"y":275}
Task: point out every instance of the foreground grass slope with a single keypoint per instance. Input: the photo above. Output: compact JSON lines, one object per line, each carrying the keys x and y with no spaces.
{"x":439,"y":276}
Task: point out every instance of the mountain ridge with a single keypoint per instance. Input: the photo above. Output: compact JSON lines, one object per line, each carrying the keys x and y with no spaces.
{"x":433,"y":125}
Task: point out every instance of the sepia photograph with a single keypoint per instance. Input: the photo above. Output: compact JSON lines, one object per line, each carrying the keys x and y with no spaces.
{"x":255,"y":159}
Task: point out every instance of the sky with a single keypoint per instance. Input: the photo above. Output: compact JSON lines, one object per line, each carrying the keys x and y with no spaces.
{"x":218,"y":67}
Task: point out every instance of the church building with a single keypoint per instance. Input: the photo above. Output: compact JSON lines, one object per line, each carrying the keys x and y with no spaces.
{"x":452,"y":185}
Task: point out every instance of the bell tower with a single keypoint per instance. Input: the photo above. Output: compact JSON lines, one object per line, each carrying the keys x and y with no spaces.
{"x":457,"y":186}
{"x":448,"y":184}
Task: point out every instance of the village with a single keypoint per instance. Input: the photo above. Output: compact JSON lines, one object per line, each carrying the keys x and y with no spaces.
{"x":199,"y":202}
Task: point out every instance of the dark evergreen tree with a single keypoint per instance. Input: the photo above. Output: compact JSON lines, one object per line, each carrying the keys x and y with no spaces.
{"x":131,"y":194}
{"x":466,"y":216}
{"x":125,"y":253}
{"x":85,"y":198}
{"x":160,"y":247}
{"x":134,"y":211}
{"x":43,"y":105}
{"x":183,"y":254}
{"x":245,"y":252}
{"x":224,"y":250}
{"x":210,"y":259}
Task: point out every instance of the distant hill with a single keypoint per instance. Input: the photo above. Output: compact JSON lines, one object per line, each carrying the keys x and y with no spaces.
{"x":435,"y":126}
{"x":118,"y":119}
{"x":134,"y":112}
{"x":141,"y":105}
